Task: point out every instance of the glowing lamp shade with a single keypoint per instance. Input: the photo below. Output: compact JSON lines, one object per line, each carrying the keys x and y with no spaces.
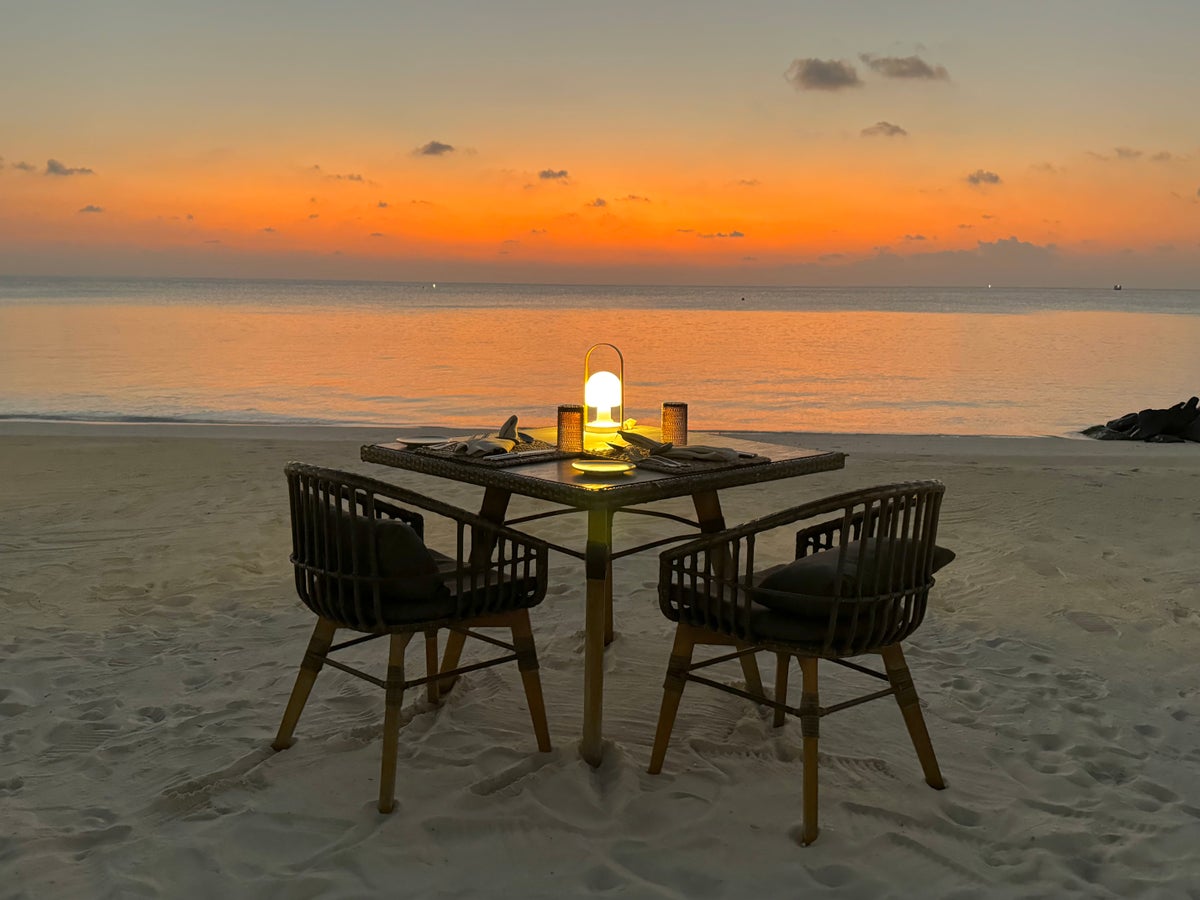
{"x":603,"y":394}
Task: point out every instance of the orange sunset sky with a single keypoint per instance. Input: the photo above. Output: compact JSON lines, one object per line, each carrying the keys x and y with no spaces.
{"x":1021,"y":143}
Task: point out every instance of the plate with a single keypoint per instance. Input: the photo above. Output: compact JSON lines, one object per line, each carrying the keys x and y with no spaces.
{"x":602,"y":466}
{"x":422,"y":440}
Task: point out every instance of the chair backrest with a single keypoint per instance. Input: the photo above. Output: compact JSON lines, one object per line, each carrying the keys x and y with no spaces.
{"x":860,"y":580}
{"x":337,"y":525}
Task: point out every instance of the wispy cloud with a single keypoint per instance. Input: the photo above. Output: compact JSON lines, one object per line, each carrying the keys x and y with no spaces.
{"x":350,"y":176}
{"x":884,"y":129}
{"x":636,"y":198}
{"x":599,"y":202}
{"x":822,"y":75}
{"x":434,"y":148}
{"x":904,"y":67}
{"x":268,"y":230}
{"x":1162,"y":156}
{"x":54,"y":167}
{"x":1127,"y":153}
{"x":553,"y":174}
{"x":92,"y":208}
{"x":382,"y":204}
{"x":376,"y":234}
{"x":982,"y":176}
{"x":748,"y":182}
{"x":914,"y":237}
{"x":719,"y":234}
{"x":24,"y":166}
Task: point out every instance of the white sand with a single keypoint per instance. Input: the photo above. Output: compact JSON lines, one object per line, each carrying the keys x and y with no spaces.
{"x":153,"y":634}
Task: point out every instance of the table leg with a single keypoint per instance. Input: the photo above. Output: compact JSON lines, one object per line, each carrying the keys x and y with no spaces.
{"x":493,"y":508}
{"x":598,"y":560}
{"x":608,"y":608}
{"x":711,"y":519}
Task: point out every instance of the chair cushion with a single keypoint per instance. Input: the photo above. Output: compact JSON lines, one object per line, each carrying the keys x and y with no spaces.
{"x":806,"y":587}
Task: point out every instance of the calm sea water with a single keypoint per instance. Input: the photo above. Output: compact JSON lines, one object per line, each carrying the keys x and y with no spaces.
{"x":885,"y":360}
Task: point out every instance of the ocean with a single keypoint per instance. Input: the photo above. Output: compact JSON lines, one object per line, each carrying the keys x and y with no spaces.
{"x":905,"y":360}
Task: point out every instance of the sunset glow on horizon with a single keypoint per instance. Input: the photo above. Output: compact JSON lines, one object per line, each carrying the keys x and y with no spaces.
{"x":1024,"y":143}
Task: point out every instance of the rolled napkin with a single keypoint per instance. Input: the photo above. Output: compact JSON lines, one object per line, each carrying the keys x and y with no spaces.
{"x":691,"y":451}
{"x":492,"y":444}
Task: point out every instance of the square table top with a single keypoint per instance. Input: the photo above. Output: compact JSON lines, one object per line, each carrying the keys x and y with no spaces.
{"x":555,"y":480}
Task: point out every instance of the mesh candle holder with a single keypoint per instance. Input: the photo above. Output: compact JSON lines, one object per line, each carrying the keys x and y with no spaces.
{"x":570,"y":428}
{"x":674,"y":423}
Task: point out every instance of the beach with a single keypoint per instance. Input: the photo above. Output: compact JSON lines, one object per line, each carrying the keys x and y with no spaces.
{"x":153,"y":634}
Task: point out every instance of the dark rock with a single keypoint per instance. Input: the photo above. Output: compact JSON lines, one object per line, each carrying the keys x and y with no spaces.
{"x":1174,"y":425}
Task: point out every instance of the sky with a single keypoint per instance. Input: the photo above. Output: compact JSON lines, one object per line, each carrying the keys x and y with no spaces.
{"x":1050,"y":143}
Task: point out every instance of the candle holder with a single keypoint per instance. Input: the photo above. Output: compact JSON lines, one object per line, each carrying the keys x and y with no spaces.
{"x":570,"y":428}
{"x":674,"y":423}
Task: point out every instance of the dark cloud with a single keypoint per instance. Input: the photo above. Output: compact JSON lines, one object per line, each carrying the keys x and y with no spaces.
{"x":24,"y":166}
{"x":599,"y":202}
{"x":347,"y":177}
{"x":190,"y":217}
{"x":314,"y":215}
{"x":269,"y":230}
{"x":54,"y":167}
{"x":382,"y":204}
{"x":1127,"y":153}
{"x":719,"y":234}
{"x":822,"y":75}
{"x":92,"y":208}
{"x":981,"y":176}
{"x":537,"y":230}
{"x":552,"y":174}
{"x":884,"y":129}
{"x":1162,"y":156}
{"x":634,"y":198}
{"x":433,"y":148}
{"x":914,"y":237}
{"x":376,"y":234}
{"x":904,"y":67}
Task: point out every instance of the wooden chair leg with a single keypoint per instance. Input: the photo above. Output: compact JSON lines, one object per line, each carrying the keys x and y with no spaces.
{"x":310,"y":667}
{"x":750,"y":672}
{"x":681,"y":659}
{"x":810,"y":727}
{"x":910,"y":708}
{"x":433,"y":686}
{"x":454,"y":648}
{"x":522,"y":637}
{"x":391,"y":721}
{"x":782,"y":661}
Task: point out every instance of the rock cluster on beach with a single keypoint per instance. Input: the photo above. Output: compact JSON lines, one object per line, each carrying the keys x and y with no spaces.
{"x":1175,"y":425}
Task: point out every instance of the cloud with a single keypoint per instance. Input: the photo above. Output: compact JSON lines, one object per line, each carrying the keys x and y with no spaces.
{"x":269,"y":230}
{"x":1127,"y":153}
{"x":914,"y":237}
{"x":884,"y":129}
{"x":552,"y":174}
{"x":748,"y":182}
{"x":24,"y":166}
{"x":981,"y":176}
{"x":904,"y":67}
{"x":537,"y":230}
{"x":1162,"y":156}
{"x":376,"y":234}
{"x":433,"y":148}
{"x":719,"y":234}
{"x":635,"y":198}
{"x":54,"y":167}
{"x":966,"y":226}
{"x":190,"y":217}
{"x":599,"y":202}
{"x":314,"y":215}
{"x":92,"y":208}
{"x":382,"y":204}
{"x":822,"y":75}
{"x":352,"y":176}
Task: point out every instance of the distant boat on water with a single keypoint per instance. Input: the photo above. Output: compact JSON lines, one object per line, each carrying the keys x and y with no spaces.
{"x":1116,"y":287}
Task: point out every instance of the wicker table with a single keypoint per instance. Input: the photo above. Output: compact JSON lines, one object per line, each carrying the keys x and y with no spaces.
{"x":555,"y":481}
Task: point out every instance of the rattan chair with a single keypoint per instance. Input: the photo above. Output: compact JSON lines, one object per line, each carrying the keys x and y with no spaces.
{"x":858,"y":585}
{"x":361,"y":564}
